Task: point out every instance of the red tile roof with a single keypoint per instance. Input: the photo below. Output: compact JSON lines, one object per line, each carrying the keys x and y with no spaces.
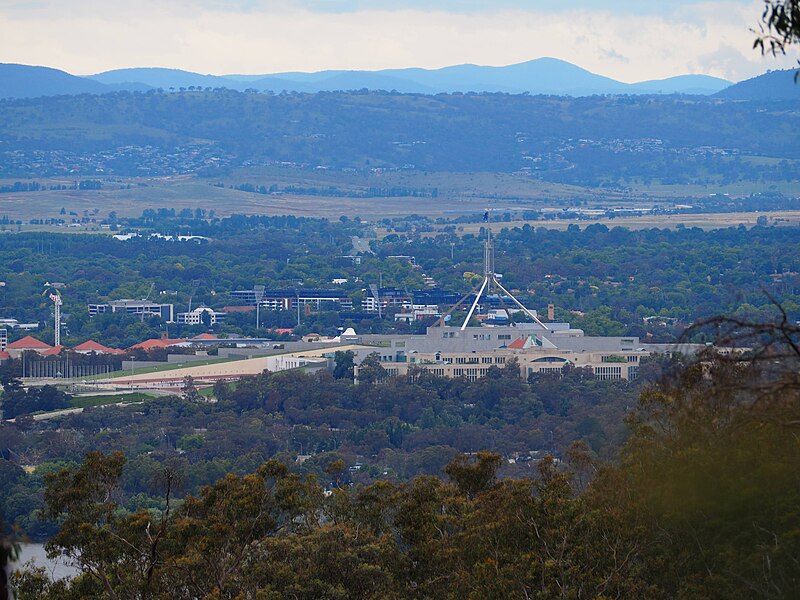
{"x":54,"y":351}
{"x":205,"y":336}
{"x":4,"y":355}
{"x":155,"y":343}
{"x":92,"y":346}
{"x":29,"y":343}
{"x":518,"y":344}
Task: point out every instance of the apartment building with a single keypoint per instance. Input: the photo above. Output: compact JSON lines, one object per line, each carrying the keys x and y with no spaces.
{"x":288,"y":299}
{"x":135,"y":307}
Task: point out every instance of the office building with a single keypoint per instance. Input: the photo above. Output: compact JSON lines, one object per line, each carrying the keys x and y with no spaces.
{"x":135,"y":307}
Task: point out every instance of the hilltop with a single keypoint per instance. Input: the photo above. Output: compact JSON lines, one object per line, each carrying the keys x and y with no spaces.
{"x":773,"y":85}
{"x":25,"y":81}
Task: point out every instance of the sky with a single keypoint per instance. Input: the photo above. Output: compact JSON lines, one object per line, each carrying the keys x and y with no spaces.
{"x":625,"y":39}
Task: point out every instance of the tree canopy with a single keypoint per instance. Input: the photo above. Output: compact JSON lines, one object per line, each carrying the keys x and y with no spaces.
{"x":702,"y":504}
{"x":780,"y":26}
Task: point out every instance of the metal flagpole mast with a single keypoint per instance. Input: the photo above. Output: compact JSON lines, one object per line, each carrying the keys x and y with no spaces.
{"x":490,"y":280}
{"x":488,"y":268}
{"x":474,"y":304}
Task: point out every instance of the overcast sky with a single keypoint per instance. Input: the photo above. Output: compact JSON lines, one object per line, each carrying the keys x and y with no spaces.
{"x":625,"y":39}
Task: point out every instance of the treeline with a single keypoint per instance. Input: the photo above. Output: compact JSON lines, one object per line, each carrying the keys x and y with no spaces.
{"x":17,"y":400}
{"x":35,"y":186}
{"x":333,"y":191}
{"x":608,"y":168}
{"x":701,"y":504}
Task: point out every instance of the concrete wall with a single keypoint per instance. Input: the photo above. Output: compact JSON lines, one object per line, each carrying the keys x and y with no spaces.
{"x":268,"y":350}
{"x":177,"y":359}
{"x":141,"y":364}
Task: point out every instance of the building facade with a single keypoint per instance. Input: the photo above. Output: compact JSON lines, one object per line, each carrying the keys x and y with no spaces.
{"x":531,"y":362}
{"x":288,"y":299}
{"x":386,"y":297}
{"x":135,"y":307}
{"x":453,"y":352}
{"x":200,"y":316}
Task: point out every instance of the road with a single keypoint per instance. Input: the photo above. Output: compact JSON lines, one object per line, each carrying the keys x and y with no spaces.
{"x":361,"y":246}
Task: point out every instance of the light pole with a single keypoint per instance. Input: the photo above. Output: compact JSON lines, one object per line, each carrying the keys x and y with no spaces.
{"x":259,"y":294}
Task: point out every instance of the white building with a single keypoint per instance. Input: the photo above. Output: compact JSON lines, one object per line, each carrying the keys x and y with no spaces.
{"x":288,"y":299}
{"x":380,"y":299}
{"x":453,"y":352}
{"x":418,"y":313}
{"x":135,"y":307}
{"x":14,"y":324}
{"x":200,"y":316}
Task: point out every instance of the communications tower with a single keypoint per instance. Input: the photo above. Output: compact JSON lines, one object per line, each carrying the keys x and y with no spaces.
{"x":55,"y":296}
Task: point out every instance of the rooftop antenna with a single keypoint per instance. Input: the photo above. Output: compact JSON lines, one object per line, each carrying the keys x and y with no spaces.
{"x":490,"y":280}
{"x":55,"y":296}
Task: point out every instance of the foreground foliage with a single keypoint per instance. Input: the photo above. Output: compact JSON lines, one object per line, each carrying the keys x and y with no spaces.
{"x":703,"y":504}
{"x":397,"y":430}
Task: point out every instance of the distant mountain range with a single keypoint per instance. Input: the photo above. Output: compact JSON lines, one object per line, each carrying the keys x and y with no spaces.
{"x":541,"y":76}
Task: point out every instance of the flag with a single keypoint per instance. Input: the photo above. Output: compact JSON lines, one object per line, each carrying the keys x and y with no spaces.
{"x":486,"y":217}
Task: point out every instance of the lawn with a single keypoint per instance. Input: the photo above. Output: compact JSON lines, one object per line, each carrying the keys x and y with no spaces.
{"x":102,"y":400}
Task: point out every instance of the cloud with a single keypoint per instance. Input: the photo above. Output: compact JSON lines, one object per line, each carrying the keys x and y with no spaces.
{"x":614,"y":55}
{"x":262,"y":36}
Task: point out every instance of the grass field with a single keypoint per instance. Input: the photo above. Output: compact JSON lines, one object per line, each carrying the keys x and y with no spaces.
{"x":741,"y":188}
{"x":106,"y":399}
{"x":703,"y":221}
{"x":458,"y":193}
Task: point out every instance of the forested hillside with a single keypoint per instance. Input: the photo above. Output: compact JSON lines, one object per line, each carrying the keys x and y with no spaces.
{"x":589,"y":141}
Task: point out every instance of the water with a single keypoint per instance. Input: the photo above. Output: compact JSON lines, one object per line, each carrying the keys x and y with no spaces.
{"x":57,"y":569}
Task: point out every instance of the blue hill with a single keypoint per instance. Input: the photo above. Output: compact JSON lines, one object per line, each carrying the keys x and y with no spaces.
{"x":773,"y":85}
{"x":24,"y":81}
